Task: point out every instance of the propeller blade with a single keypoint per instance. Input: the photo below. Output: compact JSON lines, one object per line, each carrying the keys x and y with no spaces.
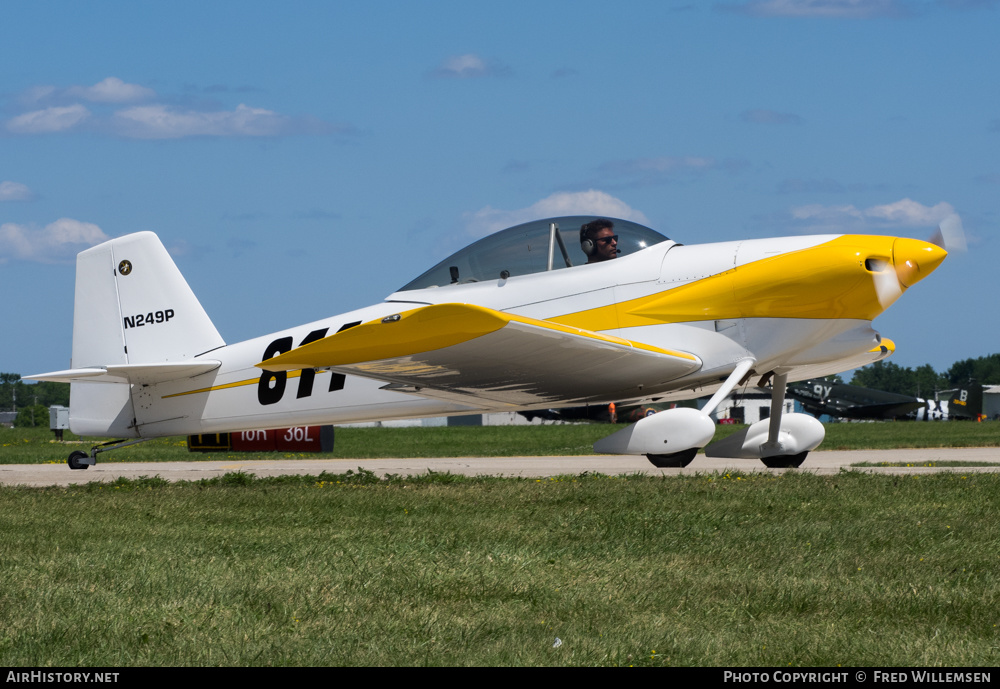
{"x":887,"y":287}
{"x":950,"y":235}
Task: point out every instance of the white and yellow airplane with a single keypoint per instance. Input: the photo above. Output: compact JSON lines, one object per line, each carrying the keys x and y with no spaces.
{"x":516,"y":321}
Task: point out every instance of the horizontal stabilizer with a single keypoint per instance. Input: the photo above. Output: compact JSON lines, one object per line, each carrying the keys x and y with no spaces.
{"x":466,"y":350}
{"x":137,"y":374}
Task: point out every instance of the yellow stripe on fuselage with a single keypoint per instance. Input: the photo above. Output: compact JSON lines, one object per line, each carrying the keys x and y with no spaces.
{"x":237,"y":384}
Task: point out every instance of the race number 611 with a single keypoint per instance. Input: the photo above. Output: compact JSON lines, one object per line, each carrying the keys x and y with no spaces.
{"x":272,"y":384}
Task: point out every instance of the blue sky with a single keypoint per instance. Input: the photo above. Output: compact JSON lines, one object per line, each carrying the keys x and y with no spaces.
{"x":304,"y":158}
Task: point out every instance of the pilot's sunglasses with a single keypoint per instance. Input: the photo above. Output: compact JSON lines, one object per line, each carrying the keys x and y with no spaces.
{"x":608,"y":240}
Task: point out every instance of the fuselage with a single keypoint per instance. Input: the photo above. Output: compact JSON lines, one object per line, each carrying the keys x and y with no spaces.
{"x":799,"y":305}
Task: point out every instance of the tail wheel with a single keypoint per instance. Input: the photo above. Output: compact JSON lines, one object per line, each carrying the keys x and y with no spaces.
{"x":673,"y":461}
{"x":784,"y":461}
{"x":74,"y":460}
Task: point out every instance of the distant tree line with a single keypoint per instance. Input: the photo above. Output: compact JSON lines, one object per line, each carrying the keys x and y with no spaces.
{"x":31,"y":401}
{"x":882,"y":375}
{"x":924,"y":380}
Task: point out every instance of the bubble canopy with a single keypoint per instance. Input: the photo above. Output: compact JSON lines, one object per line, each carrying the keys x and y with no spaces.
{"x":533,"y":247}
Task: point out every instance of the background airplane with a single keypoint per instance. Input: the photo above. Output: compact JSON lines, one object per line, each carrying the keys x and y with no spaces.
{"x":520,"y":320}
{"x":820,"y":397}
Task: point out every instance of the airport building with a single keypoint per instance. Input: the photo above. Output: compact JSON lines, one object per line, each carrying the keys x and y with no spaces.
{"x":748,"y":407}
{"x":991,"y":402}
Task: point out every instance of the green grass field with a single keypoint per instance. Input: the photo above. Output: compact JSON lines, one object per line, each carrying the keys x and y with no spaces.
{"x":35,"y":446}
{"x":745,"y":570}
{"x":715,"y":569}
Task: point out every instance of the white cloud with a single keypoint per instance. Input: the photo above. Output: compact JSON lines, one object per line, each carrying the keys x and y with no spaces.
{"x":834,"y":9}
{"x":36,"y":94}
{"x":592,"y":202}
{"x":56,"y":242}
{"x":115,"y":112}
{"x":909,"y":212}
{"x":906,"y":213}
{"x":161,"y":122}
{"x":56,"y":119}
{"x":14,"y":191}
{"x":469,"y":66}
{"x":111,"y":90}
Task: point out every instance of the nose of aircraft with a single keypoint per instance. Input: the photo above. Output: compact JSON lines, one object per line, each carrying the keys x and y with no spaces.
{"x":914,"y":260}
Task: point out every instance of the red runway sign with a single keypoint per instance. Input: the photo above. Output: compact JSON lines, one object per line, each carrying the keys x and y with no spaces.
{"x":295,"y":439}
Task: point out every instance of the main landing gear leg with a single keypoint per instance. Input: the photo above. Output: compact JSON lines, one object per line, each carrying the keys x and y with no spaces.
{"x":686,"y":430}
{"x":776,"y":461}
{"x":82,"y":460}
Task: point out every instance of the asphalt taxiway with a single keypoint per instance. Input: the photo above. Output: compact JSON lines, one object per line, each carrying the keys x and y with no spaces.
{"x":920,"y":461}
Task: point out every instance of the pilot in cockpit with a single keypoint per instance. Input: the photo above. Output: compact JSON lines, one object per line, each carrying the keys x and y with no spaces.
{"x":599,"y":241}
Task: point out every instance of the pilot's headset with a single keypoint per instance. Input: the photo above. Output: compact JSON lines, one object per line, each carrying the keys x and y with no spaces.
{"x":587,"y":244}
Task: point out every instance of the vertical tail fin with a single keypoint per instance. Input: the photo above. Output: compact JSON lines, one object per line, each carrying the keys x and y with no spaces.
{"x":133,"y":309}
{"x":134,"y":306}
{"x":967,"y":402}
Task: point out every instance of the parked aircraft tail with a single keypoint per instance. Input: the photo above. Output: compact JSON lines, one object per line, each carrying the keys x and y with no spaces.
{"x":962,"y":403}
{"x":965,"y":403}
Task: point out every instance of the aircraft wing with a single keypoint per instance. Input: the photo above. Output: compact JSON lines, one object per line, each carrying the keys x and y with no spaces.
{"x":883,"y":411}
{"x":849,"y":410}
{"x":465,"y":352}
